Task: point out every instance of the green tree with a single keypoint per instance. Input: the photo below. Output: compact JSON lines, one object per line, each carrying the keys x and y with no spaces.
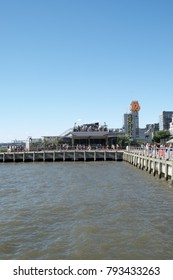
{"x":123,"y":141}
{"x":161,"y":135}
{"x":58,"y":142}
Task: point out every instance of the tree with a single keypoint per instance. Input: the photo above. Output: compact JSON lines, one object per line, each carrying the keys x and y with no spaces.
{"x":161,"y":135}
{"x":58,"y":142}
{"x":123,"y":141}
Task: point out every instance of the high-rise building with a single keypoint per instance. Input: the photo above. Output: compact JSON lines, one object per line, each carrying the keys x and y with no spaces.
{"x":165,"y":119}
{"x":125,"y":126}
{"x":131,"y":121}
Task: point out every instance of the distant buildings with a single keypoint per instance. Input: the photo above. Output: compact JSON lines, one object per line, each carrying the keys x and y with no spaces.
{"x":131,"y":124}
{"x":96,"y":134}
{"x":165,"y":119}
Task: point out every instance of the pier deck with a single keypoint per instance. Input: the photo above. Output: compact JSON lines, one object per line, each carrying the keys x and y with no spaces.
{"x":161,"y":167}
{"x":70,"y":155}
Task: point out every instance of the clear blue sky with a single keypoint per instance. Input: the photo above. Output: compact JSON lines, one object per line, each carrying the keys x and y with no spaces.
{"x":63,"y":61}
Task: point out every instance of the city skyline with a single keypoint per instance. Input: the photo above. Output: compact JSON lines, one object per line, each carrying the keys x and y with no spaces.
{"x":83,"y":61}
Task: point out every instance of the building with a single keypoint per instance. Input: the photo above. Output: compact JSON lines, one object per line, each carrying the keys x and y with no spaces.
{"x":152,"y":127}
{"x":165,"y":119}
{"x":125,"y":126}
{"x":150,"y":130}
{"x":131,"y":121}
{"x":93,"y":135}
{"x":171,"y":127}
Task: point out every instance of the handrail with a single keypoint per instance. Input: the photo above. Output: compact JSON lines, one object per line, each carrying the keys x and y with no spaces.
{"x":162,"y":153}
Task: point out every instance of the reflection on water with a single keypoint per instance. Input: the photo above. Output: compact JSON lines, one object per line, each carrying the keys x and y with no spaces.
{"x":93,"y":210}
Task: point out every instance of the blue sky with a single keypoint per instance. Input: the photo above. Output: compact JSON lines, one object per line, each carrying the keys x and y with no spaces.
{"x":80,"y":61}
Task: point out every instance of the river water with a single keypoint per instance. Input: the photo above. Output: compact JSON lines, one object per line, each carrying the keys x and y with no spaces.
{"x":86,"y":210}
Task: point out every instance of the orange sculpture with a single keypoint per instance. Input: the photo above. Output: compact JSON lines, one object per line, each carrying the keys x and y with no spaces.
{"x":134,"y":106}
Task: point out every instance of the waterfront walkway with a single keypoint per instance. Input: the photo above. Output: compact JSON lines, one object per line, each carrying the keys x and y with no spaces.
{"x":160,"y":153}
{"x":62,"y":155}
{"x":84,"y":154}
{"x":156,"y":161}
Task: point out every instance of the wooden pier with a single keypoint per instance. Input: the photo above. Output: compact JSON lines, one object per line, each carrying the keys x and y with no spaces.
{"x":52,"y":156}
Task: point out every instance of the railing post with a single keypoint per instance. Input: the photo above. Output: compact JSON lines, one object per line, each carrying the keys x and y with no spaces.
{"x":14,"y":157}
{"x":23,"y":156}
{"x":159,"y":169}
{"x":54,"y":156}
{"x":166,"y":170}
{"x":172,"y":174}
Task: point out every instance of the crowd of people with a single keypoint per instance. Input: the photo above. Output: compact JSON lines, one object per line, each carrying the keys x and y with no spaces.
{"x":160,"y":151}
{"x":90,"y":127}
{"x":96,"y":147}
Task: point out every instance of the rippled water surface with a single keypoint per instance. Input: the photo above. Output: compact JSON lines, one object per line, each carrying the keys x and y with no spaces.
{"x":92,"y":210}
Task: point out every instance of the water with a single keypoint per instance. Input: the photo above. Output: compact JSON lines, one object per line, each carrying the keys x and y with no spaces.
{"x":92,"y":210}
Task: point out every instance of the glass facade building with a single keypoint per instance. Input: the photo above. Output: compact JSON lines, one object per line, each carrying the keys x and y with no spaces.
{"x":165,"y":119}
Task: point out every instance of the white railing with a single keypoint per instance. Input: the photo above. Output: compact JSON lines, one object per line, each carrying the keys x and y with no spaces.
{"x":162,"y":153}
